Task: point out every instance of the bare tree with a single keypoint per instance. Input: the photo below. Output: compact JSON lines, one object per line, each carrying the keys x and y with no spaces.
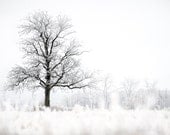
{"x":107,"y":91}
{"x":128,"y":93}
{"x":51,"y":56}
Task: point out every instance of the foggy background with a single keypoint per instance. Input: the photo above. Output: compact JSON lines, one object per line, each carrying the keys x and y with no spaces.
{"x":129,"y":49}
{"x":125,"y":39}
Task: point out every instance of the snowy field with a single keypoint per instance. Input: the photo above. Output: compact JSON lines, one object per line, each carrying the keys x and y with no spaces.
{"x":81,"y":121}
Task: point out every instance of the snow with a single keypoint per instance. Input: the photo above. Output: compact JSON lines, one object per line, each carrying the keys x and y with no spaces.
{"x":23,"y":115}
{"x":81,"y":121}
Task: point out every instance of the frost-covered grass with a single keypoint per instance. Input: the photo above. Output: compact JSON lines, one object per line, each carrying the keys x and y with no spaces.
{"x":85,"y":122}
{"x":21,"y":116}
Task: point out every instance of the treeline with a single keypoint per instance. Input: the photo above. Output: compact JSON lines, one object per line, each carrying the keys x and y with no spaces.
{"x":129,"y":94}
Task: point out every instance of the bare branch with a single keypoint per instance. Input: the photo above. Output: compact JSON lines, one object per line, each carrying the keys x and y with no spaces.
{"x":51,"y":57}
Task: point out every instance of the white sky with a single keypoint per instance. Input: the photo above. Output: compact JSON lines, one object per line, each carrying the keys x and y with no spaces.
{"x":126,"y":38}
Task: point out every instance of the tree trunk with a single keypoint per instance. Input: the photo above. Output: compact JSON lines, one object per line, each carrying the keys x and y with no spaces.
{"x":47,"y":97}
{"x":48,"y":75}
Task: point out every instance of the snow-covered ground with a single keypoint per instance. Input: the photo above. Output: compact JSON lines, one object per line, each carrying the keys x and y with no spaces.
{"x":81,"y":121}
{"x":21,"y":115}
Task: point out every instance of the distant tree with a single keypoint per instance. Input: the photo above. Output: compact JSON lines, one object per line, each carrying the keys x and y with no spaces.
{"x":51,"y":56}
{"x":128,"y":93}
{"x":107,"y":91}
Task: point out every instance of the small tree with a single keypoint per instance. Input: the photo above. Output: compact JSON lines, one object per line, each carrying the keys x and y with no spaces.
{"x":128,"y":93}
{"x":51,"y":56}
